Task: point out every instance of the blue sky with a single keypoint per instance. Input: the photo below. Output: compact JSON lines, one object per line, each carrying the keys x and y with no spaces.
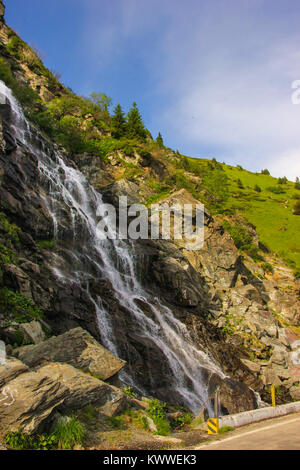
{"x":214,"y":76}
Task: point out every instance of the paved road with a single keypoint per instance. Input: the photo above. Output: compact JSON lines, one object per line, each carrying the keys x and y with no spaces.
{"x":274,"y":434}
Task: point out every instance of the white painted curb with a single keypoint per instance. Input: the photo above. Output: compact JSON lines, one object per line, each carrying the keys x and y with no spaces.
{"x":254,"y":416}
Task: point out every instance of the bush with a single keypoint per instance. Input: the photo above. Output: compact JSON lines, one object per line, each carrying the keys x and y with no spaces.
{"x":243,"y":240}
{"x":70,"y":135}
{"x":21,"y":441}
{"x":5,"y":73}
{"x":257,"y":188}
{"x":157,"y":411}
{"x":24,"y":94}
{"x":296,"y":208}
{"x":265,"y":172}
{"x":240,"y":184}
{"x":282,"y":180}
{"x":14,"y":46}
{"x":129,"y":392}
{"x":239,"y":234}
{"x":268,"y":268}
{"x":69,"y":432}
{"x":275,"y":190}
{"x":182,"y":421}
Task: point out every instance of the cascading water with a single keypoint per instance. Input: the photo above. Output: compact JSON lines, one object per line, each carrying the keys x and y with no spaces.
{"x":66,"y":189}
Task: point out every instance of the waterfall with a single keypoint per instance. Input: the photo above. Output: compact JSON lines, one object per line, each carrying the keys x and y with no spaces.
{"x":66,"y":189}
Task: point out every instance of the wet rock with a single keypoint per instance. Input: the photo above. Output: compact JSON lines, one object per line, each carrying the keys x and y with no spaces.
{"x":16,"y":279}
{"x":76,"y":347}
{"x":234,"y":396}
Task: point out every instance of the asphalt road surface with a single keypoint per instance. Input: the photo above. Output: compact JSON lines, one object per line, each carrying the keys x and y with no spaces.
{"x":273,"y":434}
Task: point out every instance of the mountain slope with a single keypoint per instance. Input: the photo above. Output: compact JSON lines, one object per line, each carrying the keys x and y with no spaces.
{"x":184,"y":321}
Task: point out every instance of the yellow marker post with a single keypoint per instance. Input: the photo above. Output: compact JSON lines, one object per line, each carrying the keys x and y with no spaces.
{"x":273,"y":395}
{"x":212,"y":426}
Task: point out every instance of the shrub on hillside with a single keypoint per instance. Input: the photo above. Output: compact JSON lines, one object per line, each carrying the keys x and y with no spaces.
{"x":275,"y":189}
{"x":282,"y":180}
{"x":296,"y":208}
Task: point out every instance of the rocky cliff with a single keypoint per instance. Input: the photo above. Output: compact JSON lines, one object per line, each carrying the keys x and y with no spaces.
{"x":184,"y":321}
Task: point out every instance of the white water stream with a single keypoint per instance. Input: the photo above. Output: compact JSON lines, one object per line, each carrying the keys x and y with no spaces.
{"x":67,"y":188}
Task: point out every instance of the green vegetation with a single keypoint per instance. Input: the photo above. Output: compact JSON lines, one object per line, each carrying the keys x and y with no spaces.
{"x":271,"y":214}
{"x":24,"y":94}
{"x":116,"y":422}
{"x":157,"y":412}
{"x":243,"y":240}
{"x":65,"y":435}
{"x":85,"y":124}
{"x":225,"y":429}
{"x":134,"y":126}
{"x":268,"y":268}
{"x":296,"y":208}
{"x":118,"y":122}
{"x":89,"y":413}
{"x":182,"y":421}
{"x":21,"y":441}
{"x":18,"y":307}
{"x":69,"y":432}
{"x":159,"y":140}
{"x":129,"y":392}
{"x":45,"y":244}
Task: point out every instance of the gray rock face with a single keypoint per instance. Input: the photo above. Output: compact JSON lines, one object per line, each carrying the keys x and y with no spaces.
{"x":33,"y":332}
{"x":10,"y":370}
{"x":53,"y":387}
{"x":77,"y":348}
{"x":122,"y":188}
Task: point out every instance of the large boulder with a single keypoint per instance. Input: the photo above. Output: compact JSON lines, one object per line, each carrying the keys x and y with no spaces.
{"x":77,"y":348}
{"x":235,"y":397}
{"x":33,"y":332}
{"x":35,"y":395}
{"x":10,"y":370}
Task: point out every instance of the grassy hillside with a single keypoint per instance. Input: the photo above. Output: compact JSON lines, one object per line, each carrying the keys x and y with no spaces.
{"x":265,"y":202}
{"x":270,"y":212}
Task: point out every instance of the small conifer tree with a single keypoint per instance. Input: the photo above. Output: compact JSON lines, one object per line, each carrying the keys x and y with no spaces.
{"x":135,"y":125}
{"x":118,"y":123}
{"x":159,"y":140}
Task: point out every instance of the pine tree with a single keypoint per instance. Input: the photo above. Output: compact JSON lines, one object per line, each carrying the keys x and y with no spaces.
{"x":135,"y":125}
{"x":159,"y":140}
{"x":118,"y":122}
{"x":297,"y":183}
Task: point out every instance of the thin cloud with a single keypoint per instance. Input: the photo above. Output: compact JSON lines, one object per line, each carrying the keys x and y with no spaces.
{"x":221,"y":71}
